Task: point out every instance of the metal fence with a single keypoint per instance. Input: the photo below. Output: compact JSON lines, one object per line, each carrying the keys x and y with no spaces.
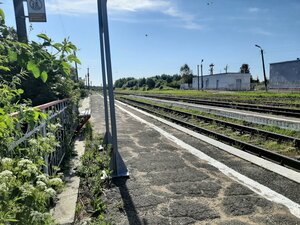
{"x":56,"y":112}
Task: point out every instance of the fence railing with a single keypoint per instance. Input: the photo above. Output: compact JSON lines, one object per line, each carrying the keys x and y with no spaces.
{"x":56,"y":111}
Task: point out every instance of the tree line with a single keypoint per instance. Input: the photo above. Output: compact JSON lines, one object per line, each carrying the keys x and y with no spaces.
{"x":158,"y":81}
{"x":164,"y":80}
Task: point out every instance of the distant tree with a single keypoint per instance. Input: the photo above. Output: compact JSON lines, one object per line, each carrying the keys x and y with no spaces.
{"x":253,"y":81}
{"x":245,"y":68}
{"x":150,"y":83}
{"x":131,"y":83}
{"x":120,"y":82}
{"x":211,"y":68}
{"x":176,"y":77}
{"x":186,"y":73}
{"x":141,"y":82}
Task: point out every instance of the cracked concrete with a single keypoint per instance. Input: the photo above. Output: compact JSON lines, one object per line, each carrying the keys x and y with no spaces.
{"x":168,"y":185}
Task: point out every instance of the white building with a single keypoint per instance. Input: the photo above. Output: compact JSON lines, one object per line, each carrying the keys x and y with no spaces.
{"x":285,"y":75}
{"x":224,"y":81}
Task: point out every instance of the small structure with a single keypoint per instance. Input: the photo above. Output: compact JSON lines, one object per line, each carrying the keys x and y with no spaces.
{"x":185,"y":86}
{"x":224,"y":81}
{"x":285,"y":75}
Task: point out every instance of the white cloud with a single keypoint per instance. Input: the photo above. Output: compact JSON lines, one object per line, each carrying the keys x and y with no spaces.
{"x":135,"y":5}
{"x":166,"y":7}
{"x":71,"y":7}
{"x":253,"y":9}
{"x":260,"y":31}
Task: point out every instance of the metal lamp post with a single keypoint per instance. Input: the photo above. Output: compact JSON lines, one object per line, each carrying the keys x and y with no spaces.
{"x":198,"y":77}
{"x":201,"y":75}
{"x":263,"y":64}
{"x":117,"y":165}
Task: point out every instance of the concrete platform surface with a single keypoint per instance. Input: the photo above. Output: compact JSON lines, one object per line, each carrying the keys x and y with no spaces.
{"x":169,"y":185}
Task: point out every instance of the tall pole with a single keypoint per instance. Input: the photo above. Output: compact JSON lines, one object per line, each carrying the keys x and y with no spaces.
{"x":117,"y":164}
{"x":76,"y":68}
{"x":198,"y":77}
{"x":201,"y":75}
{"x":88,"y":78}
{"x":264,"y":69}
{"x":263,"y":64}
{"x":20,"y":21}
{"x":107,"y":135}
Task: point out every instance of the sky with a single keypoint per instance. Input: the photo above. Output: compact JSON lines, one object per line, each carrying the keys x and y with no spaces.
{"x":154,"y":37}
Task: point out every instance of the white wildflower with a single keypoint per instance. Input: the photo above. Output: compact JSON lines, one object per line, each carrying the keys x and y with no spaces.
{"x":24,"y":162}
{"x":36,"y":216}
{"x":56,"y":182}
{"x":33,"y":142}
{"x":27,"y":190}
{"x":51,"y":192}
{"x":3,"y":188}
{"x":6,"y":175}
{"x":6,"y":161}
{"x":42,"y":177}
{"x":41,"y":185}
{"x":39,"y":217}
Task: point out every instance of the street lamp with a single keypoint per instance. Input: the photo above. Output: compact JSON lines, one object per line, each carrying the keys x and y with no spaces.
{"x":263,"y":63}
{"x":201,"y":75}
{"x":198,"y":77}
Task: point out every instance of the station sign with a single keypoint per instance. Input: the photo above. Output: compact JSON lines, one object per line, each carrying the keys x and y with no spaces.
{"x":36,"y":10}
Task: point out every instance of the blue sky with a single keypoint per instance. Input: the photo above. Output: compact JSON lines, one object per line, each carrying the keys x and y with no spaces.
{"x":222,"y":32}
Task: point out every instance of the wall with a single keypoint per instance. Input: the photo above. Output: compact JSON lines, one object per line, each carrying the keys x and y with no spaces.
{"x":285,"y":75}
{"x":224,"y":81}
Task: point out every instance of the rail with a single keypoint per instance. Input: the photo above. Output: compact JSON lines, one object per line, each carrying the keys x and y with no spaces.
{"x":290,"y":112}
{"x":280,"y":159}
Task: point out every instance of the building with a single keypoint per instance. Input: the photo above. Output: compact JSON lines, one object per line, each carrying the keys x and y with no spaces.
{"x":224,"y":81}
{"x":285,"y":75}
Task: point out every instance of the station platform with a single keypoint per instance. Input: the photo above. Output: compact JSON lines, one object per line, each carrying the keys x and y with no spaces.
{"x":169,"y":184}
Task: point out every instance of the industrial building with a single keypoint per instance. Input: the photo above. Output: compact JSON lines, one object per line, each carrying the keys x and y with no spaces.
{"x":224,"y":81}
{"x":285,"y":75}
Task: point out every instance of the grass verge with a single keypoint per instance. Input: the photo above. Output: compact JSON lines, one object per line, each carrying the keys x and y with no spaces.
{"x":94,"y":178}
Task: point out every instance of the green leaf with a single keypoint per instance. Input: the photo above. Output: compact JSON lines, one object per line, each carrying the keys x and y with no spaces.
{"x":66,"y":68}
{"x":4,"y":68}
{"x":2,"y":111}
{"x":73,"y":58}
{"x":36,"y":116}
{"x":72,"y":46}
{"x":32,"y":67}
{"x":2,"y":15}
{"x":20,"y":91}
{"x":43,"y":115}
{"x":45,"y":37}
{"x":44,"y":76}
{"x":58,"y":46}
{"x":12,"y":56}
{"x":3,"y":125}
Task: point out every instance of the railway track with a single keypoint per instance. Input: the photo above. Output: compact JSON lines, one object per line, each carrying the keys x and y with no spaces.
{"x":283,"y":111}
{"x":273,"y":156}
